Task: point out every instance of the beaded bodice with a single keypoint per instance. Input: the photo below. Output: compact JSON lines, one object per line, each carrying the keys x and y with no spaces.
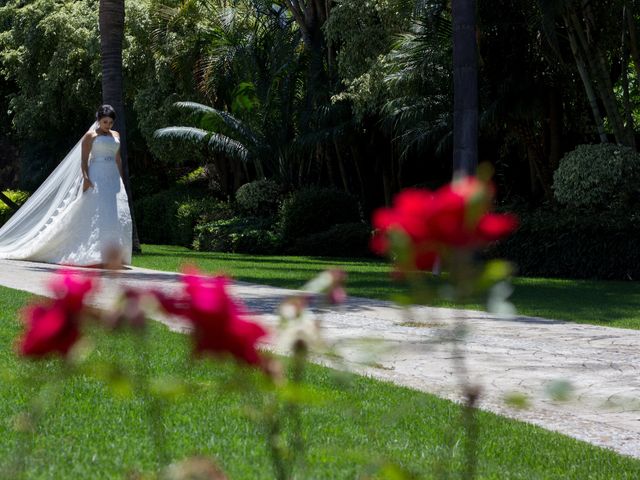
{"x":104,"y":147}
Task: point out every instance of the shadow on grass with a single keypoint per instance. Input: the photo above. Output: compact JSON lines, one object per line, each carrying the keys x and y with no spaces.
{"x":181,"y":253}
{"x":606,"y":303}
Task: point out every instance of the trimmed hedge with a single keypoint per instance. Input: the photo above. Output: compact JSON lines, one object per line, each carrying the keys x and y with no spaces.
{"x":603,"y":176}
{"x":259,"y":199}
{"x":574,"y":244}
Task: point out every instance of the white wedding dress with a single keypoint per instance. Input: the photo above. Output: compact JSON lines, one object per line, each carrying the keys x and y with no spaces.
{"x":62,"y":224}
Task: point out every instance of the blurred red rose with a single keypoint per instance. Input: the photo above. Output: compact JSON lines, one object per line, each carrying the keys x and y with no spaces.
{"x":455,"y":216}
{"x":53,"y":326}
{"x":218,"y":321}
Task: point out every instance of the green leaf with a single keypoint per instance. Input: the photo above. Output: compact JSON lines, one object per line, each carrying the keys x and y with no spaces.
{"x":559,"y":390}
{"x":391,"y":471}
{"x":302,"y":394}
{"x":517,"y":400}
{"x":120,"y":384}
{"x":494,"y":271}
{"x":402,"y":299}
{"x":168,"y":387}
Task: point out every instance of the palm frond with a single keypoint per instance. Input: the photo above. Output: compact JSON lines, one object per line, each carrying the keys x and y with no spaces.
{"x":240,"y":127}
{"x":229,"y":147}
{"x":182,"y":133}
{"x":234,"y":124}
{"x":196,"y":107}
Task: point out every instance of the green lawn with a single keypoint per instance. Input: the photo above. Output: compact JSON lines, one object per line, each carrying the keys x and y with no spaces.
{"x":614,"y":304}
{"x":89,"y":434}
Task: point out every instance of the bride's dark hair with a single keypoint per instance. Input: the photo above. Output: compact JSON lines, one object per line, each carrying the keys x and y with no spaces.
{"x":105,"y":111}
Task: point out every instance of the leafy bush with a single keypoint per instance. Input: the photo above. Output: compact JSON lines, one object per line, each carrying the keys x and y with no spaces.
{"x":598,"y":176}
{"x":169,"y":217}
{"x":198,"y":175}
{"x":238,"y":234}
{"x":199,"y":210}
{"x":259,"y":198}
{"x":315,"y":210}
{"x":341,"y":240}
{"x":17,"y":196}
{"x":574,"y":244}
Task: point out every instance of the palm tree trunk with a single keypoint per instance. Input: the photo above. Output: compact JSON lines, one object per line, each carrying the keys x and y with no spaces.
{"x":465,"y":87}
{"x":111,"y":21}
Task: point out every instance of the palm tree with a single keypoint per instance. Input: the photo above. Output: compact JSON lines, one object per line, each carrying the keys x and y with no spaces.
{"x":111,"y":21}
{"x":225,"y":135}
{"x":418,"y":110}
{"x":465,"y":87}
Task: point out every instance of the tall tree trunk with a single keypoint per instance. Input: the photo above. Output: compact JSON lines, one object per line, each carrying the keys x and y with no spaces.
{"x":603,"y":80}
{"x":555,"y":128}
{"x":626,"y":95}
{"x":111,"y":20}
{"x":343,"y":172}
{"x":465,"y":87}
{"x":633,"y":38}
{"x":537,"y":161}
{"x":310,"y":16}
{"x":578,"y":56}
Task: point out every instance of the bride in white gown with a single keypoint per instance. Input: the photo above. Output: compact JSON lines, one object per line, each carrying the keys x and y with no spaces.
{"x":80,"y":214}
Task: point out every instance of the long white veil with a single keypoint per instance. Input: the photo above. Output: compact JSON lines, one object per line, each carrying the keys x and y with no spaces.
{"x":56,"y":193}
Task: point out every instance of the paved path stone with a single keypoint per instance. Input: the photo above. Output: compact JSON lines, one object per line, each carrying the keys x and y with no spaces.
{"x":521,"y":355}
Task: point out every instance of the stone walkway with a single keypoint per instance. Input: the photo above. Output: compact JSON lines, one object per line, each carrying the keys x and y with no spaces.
{"x":523,"y":355}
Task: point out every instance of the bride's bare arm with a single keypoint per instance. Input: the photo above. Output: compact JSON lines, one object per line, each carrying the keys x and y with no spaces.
{"x":118,"y":157}
{"x":119,"y":163}
{"x":87,"y":141}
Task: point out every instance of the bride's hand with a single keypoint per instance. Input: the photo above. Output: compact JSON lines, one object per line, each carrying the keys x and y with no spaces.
{"x":86,"y":185}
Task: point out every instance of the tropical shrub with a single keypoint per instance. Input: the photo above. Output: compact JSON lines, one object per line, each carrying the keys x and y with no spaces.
{"x":259,"y":198}
{"x":598,"y":176}
{"x":18,"y":197}
{"x":237,"y":234}
{"x":313,"y":210}
{"x":199,"y":210}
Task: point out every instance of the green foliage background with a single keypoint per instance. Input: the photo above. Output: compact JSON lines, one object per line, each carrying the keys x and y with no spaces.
{"x":365,"y":108}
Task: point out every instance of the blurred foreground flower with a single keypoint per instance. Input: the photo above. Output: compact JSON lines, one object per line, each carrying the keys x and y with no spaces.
{"x":53,"y":326}
{"x":219,"y":322}
{"x":129,"y":312}
{"x":331,"y":284}
{"x":422,"y":226}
